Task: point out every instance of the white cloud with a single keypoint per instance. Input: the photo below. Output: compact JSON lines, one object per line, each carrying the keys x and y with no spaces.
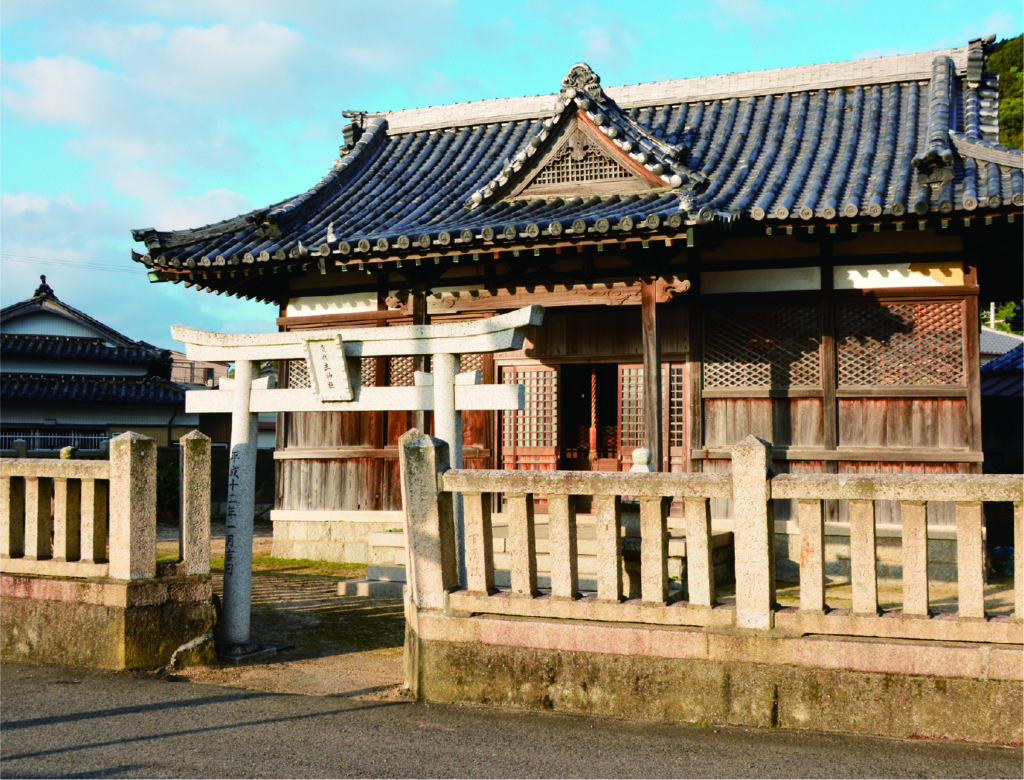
{"x":181,"y":212}
{"x":755,"y":14}
{"x":61,"y":89}
{"x":222,"y":66}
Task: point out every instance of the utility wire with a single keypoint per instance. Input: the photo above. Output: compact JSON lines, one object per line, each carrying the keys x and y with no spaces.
{"x":85,"y":264}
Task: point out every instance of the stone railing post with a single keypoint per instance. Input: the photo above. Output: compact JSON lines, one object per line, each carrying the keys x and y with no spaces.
{"x":132,"y":507}
{"x":195,"y":503}
{"x":429,"y":521}
{"x":754,"y":532}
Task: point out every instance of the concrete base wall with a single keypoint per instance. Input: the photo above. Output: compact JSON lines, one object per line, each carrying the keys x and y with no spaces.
{"x":715,"y":678}
{"x":107,"y":624}
{"x":340,"y":537}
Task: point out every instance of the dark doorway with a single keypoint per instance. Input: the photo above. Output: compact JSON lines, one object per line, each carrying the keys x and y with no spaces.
{"x":590,"y":417}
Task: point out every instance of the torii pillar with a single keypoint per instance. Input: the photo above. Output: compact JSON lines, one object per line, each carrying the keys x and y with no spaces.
{"x":332,"y":359}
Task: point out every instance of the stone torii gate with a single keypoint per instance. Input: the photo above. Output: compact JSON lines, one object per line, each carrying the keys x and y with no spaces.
{"x":332,"y":358}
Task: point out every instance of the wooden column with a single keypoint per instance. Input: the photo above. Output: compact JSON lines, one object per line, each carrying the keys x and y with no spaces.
{"x":418,"y":306}
{"x":694,"y":382}
{"x":972,"y":365}
{"x":652,"y":370}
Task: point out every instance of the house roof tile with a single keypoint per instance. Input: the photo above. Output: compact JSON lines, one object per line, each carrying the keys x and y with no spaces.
{"x":67,"y":347}
{"x":88,"y":390}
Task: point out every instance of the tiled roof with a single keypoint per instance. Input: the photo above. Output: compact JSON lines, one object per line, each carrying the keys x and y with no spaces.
{"x":36,"y":388}
{"x":44,"y":299}
{"x":1010,"y":361}
{"x":1004,"y":376}
{"x":867,"y":140}
{"x":70,"y":348}
{"x":997,"y":342}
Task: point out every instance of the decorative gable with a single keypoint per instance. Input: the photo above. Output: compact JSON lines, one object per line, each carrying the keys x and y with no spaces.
{"x":581,"y":161}
{"x":588,"y":147}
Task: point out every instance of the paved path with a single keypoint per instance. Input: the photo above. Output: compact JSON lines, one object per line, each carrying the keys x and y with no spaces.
{"x":62,"y":723}
{"x":334,"y":707}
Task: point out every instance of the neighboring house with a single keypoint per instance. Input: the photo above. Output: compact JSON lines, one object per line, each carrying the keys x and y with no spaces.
{"x":1002,"y":412}
{"x":196,"y":373}
{"x":67,"y":379}
{"x":795,"y":254}
{"x":994,"y":343}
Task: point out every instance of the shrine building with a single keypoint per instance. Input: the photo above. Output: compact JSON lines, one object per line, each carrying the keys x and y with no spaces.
{"x":793,"y":253}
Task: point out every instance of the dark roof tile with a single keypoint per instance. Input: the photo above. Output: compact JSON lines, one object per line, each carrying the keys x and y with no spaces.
{"x":47,"y":388}
{"x":841,"y":142}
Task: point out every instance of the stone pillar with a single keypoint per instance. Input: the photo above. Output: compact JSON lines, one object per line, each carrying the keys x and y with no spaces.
{"x":12,"y":517}
{"x":754,"y":532}
{"x":913,"y":517}
{"x":608,"y":513}
{"x":448,"y":427}
{"x":970,"y":561}
{"x":38,"y":520}
{"x":429,"y":528}
{"x":234,"y":628}
{"x":94,"y":520}
{"x":195,"y":503}
{"x":132,"y":507}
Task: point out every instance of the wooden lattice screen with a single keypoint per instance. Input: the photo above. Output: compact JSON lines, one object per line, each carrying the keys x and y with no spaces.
{"x":297,"y":373}
{"x":677,"y":406}
{"x":762,"y":347}
{"x":400,"y":371}
{"x":900,"y":344}
{"x":537,"y":424}
{"x":631,"y":407}
{"x":580,"y":160}
{"x":472,"y":362}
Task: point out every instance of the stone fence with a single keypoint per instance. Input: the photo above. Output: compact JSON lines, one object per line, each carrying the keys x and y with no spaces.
{"x":606,"y":652}
{"x":78,"y":563}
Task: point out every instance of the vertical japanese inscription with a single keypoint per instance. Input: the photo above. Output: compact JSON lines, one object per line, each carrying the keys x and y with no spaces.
{"x":328,"y":369}
{"x":232,"y":517}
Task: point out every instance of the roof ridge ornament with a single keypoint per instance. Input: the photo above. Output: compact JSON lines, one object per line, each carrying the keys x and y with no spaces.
{"x":636,"y":158}
{"x":44,"y":289}
{"x":581,"y":78}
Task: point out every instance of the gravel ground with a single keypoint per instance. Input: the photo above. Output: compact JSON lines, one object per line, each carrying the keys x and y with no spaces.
{"x":340,"y":645}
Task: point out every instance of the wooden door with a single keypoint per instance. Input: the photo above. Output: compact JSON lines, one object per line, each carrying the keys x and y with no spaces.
{"x":529,"y":438}
{"x":631,"y":412}
{"x":677,"y":429}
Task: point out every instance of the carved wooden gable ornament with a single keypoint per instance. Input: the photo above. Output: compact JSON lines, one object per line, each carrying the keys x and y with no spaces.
{"x":589,"y":146}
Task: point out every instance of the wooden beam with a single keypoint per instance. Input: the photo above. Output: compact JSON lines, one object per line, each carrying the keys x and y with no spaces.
{"x":652,"y":369}
{"x":418,"y":309}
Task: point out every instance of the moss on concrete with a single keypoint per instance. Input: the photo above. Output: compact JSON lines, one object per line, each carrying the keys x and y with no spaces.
{"x":698,"y":691}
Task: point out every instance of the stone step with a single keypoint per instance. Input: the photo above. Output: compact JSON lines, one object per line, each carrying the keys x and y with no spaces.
{"x":374,"y":589}
{"x":384,"y":573}
{"x":385,"y":580}
{"x":584,"y":546}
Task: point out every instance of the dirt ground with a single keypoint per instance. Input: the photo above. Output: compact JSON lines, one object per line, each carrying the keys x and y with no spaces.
{"x":339,"y":645}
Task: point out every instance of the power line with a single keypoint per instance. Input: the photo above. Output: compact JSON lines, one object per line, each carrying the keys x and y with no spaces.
{"x":85,"y":264}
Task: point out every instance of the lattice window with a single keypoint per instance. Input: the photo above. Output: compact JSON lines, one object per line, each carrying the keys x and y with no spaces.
{"x":631,"y":395}
{"x":762,"y":347}
{"x":580,"y":160}
{"x":537,"y":424}
{"x":298,"y":375}
{"x":367,"y":372}
{"x":900,"y":344}
{"x":676,"y":406}
{"x":471,"y":362}
{"x":400,"y":371}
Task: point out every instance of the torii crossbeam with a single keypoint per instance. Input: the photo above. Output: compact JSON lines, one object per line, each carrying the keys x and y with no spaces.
{"x":332,"y":358}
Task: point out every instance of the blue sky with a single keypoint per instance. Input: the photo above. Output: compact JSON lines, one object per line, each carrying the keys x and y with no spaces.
{"x":121,"y":114}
